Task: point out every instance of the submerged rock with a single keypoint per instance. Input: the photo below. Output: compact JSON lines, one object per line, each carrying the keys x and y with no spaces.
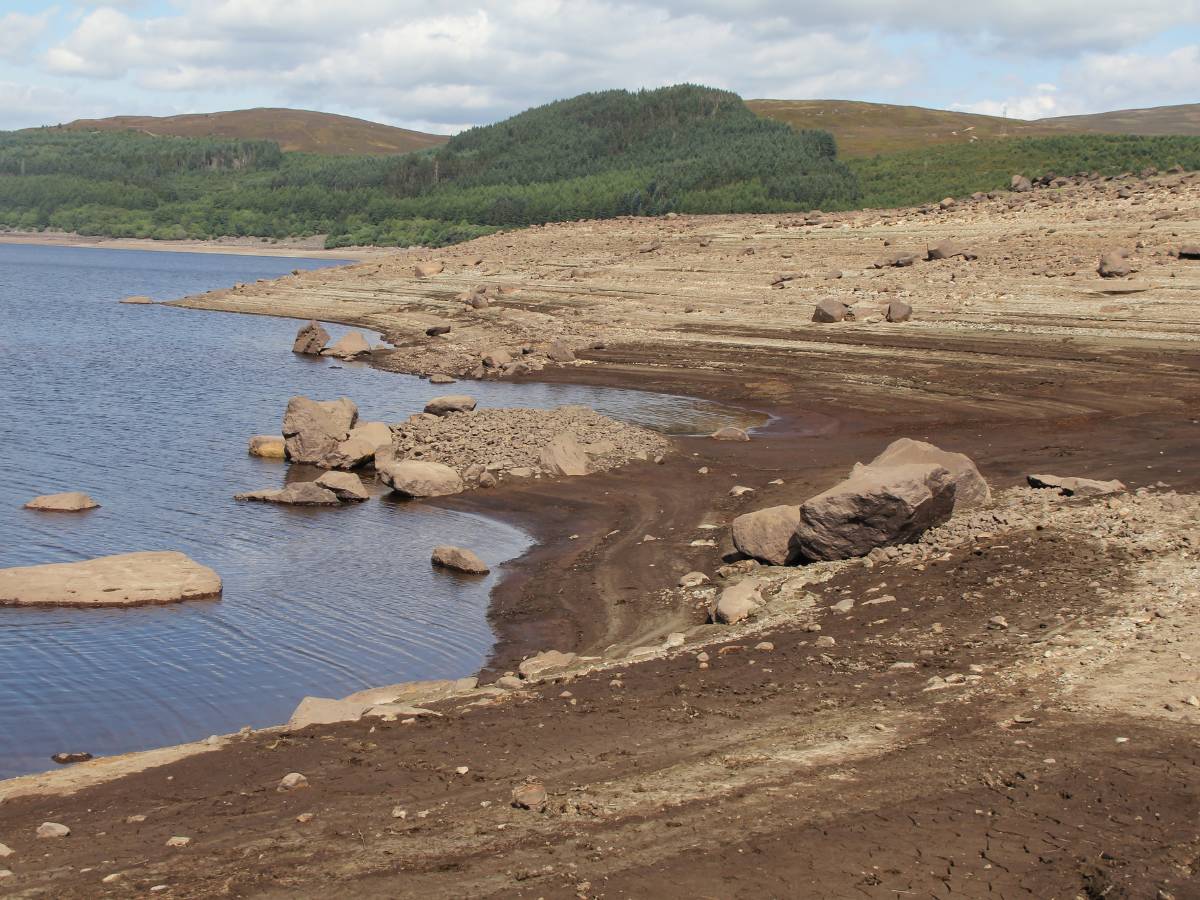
{"x":349,"y":346}
{"x":413,"y":478}
{"x":300,"y":493}
{"x":312,"y":429}
{"x":311,"y":339}
{"x":459,"y":559}
{"x":137,"y":300}
{"x":267,"y":446}
{"x":450,"y":403}
{"x":71,"y":501}
{"x":126,"y":579}
{"x":730,"y":433}
{"x":344,"y":485}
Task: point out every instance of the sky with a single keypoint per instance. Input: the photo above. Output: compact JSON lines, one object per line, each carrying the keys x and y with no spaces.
{"x":444,"y":67}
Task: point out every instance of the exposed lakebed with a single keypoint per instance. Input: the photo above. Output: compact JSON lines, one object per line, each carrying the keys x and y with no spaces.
{"x":148,"y":409}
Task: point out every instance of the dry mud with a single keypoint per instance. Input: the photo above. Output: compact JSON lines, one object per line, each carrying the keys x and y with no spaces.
{"x":931,"y":749}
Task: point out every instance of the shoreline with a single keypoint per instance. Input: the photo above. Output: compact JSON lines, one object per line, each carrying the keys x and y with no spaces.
{"x":1039,"y":624}
{"x":229,"y":246}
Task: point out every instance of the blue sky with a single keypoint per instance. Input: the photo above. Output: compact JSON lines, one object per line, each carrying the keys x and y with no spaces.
{"x":442,"y":67}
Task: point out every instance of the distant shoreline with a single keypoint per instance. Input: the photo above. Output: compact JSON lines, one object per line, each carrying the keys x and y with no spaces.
{"x":306,"y":247}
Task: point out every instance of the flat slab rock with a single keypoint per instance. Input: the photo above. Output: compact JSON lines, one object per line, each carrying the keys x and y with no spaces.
{"x":71,"y":501}
{"x":126,"y":579}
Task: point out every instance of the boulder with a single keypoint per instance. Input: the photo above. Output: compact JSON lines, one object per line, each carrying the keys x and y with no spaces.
{"x":343,"y":485}
{"x":1189,"y":251}
{"x":1020,"y":184}
{"x":359,"y":446}
{"x":349,"y":346}
{"x":496,"y":358}
{"x":948,"y":249}
{"x":829,"y":310}
{"x":738,"y":602}
{"x":71,"y":501}
{"x":1114,"y":264}
{"x":300,"y":493}
{"x":969,"y":487}
{"x":545,"y":662}
{"x":875,"y":507}
{"x":311,"y":339}
{"x":126,"y":579}
{"x":459,"y":559}
{"x":413,"y":478}
{"x":768,"y":535}
{"x":267,"y":446}
{"x":437,"y":330}
{"x":325,"y":711}
{"x":450,"y":403}
{"x":428,"y":269}
{"x":898,"y":311}
{"x":564,"y":456}
{"x":1070,"y":486}
{"x":730,"y":433}
{"x":559,"y":352}
{"x":312,"y":429}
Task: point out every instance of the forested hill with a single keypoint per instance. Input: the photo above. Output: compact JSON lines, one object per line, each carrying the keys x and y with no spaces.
{"x":683,"y":148}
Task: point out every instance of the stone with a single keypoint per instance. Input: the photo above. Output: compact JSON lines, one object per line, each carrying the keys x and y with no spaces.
{"x":1189,"y":251}
{"x":126,"y":579}
{"x":1113,"y":264}
{"x":439,"y":378}
{"x":349,"y":346}
{"x":649,"y":247}
{"x":826,"y":641}
{"x":496,"y":358}
{"x":267,"y":446}
{"x":359,"y":447}
{"x":459,"y":559}
{"x":325,"y":711}
{"x":898,"y":311}
{"x":291,"y":782}
{"x":311,"y":339}
{"x":844,"y":605}
{"x":67,"y":759}
{"x":898,"y":260}
{"x":437,"y":330}
{"x":299,"y":493}
{"x":450,"y":403}
{"x":875,"y":507}
{"x":137,"y":300}
{"x":559,"y":352}
{"x":970,"y":489}
{"x":178,"y":841}
{"x":693,"y":579}
{"x":344,"y":485}
{"x":738,"y":602}
{"x":529,"y":796}
{"x":510,"y":682}
{"x":6,"y":851}
{"x":312,"y":429}
{"x":1020,"y":184}
{"x":768,"y":535}
{"x":948,"y":249}
{"x":1070,"y":486}
{"x":428,"y":269}
{"x":730,"y":433}
{"x":71,"y":501}
{"x":764,"y":647}
{"x":564,"y":456}
{"x":416,"y":479}
{"x":829,"y":310}
{"x":544,"y":663}
{"x":52,"y":830}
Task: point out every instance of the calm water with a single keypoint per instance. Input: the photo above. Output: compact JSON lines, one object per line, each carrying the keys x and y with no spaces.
{"x":148,"y":409}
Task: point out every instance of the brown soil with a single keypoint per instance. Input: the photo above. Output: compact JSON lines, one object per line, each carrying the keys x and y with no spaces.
{"x":1067,"y":764}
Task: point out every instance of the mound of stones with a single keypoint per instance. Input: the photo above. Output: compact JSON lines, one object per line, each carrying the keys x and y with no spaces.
{"x":127,"y":579}
{"x":480,"y":446}
{"x":331,"y":489}
{"x":910,"y":487}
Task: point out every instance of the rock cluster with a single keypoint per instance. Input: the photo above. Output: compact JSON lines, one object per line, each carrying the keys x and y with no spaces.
{"x":483,"y":445}
{"x":327,"y":433}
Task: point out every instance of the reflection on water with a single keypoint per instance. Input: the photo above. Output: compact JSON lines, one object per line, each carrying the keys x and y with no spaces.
{"x":148,"y":410}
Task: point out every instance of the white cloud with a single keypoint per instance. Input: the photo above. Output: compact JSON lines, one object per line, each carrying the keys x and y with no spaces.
{"x":20,"y":31}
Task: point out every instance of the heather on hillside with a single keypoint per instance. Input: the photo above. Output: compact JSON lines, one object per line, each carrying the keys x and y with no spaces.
{"x":684,"y":148}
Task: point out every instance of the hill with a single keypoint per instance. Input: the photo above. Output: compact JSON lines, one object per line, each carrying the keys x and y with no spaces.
{"x":867,"y":129}
{"x":684,"y":148}
{"x":297,"y":130}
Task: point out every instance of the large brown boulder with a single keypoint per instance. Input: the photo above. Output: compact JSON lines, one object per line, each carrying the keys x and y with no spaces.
{"x":127,"y":579}
{"x":311,"y":339}
{"x":564,"y":456}
{"x":877,"y":506}
{"x":559,"y":352}
{"x":414,"y":478}
{"x":898,"y":311}
{"x":1020,"y":184}
{"x":344,"y":485}
{"x":948,"y":249}
{"x":829,"y":310}
{"x":71,"y":501}
{"x":312,"y":429}
{"x":1114,"y":264}
{"x":359,"y":446}
{"x":458,"y":559}
{"x":495,"y":358}
{"x":969,"y":487}
{"x":738,"y":602}
{"x":768,"y":535}
{"x":450,"y":403}
{"x":428,"y":269}
{"x":350,"y":345}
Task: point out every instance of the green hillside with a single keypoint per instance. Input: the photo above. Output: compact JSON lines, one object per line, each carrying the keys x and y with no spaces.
{"x":683,"y":148}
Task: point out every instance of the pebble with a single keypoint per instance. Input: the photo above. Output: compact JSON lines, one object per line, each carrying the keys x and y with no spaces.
{"x":825,"y":641}
{"x":764,"y":646}
{"x":134,"y":820}
{"x":6,"y":873}
{"x":399,"y":813}
{"x":178,"y":841}
{"x":6,"y":851}
{"x":702,"y":656}
{"x":462,"y":770}
{"x":292,"y":781}
{"x":111,"y":879}
{"x":305,"y":818}
{"x":52,"y":830}
{"x":529,"y":796}
{"x":844,"y":606}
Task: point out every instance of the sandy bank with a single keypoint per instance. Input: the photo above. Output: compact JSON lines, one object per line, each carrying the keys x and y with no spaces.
{"x":311,"y":248}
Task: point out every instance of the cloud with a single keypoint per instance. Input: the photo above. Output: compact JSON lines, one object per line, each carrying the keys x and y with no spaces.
{"x":20,"y":31}
{"x":23,"y":104}
{"x":1043,"y":101}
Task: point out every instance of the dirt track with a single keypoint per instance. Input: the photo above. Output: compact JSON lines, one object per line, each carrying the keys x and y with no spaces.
{"x":804,"y":770}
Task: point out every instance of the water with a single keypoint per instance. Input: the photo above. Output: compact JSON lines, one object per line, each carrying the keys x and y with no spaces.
{"x":148,"y":409}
